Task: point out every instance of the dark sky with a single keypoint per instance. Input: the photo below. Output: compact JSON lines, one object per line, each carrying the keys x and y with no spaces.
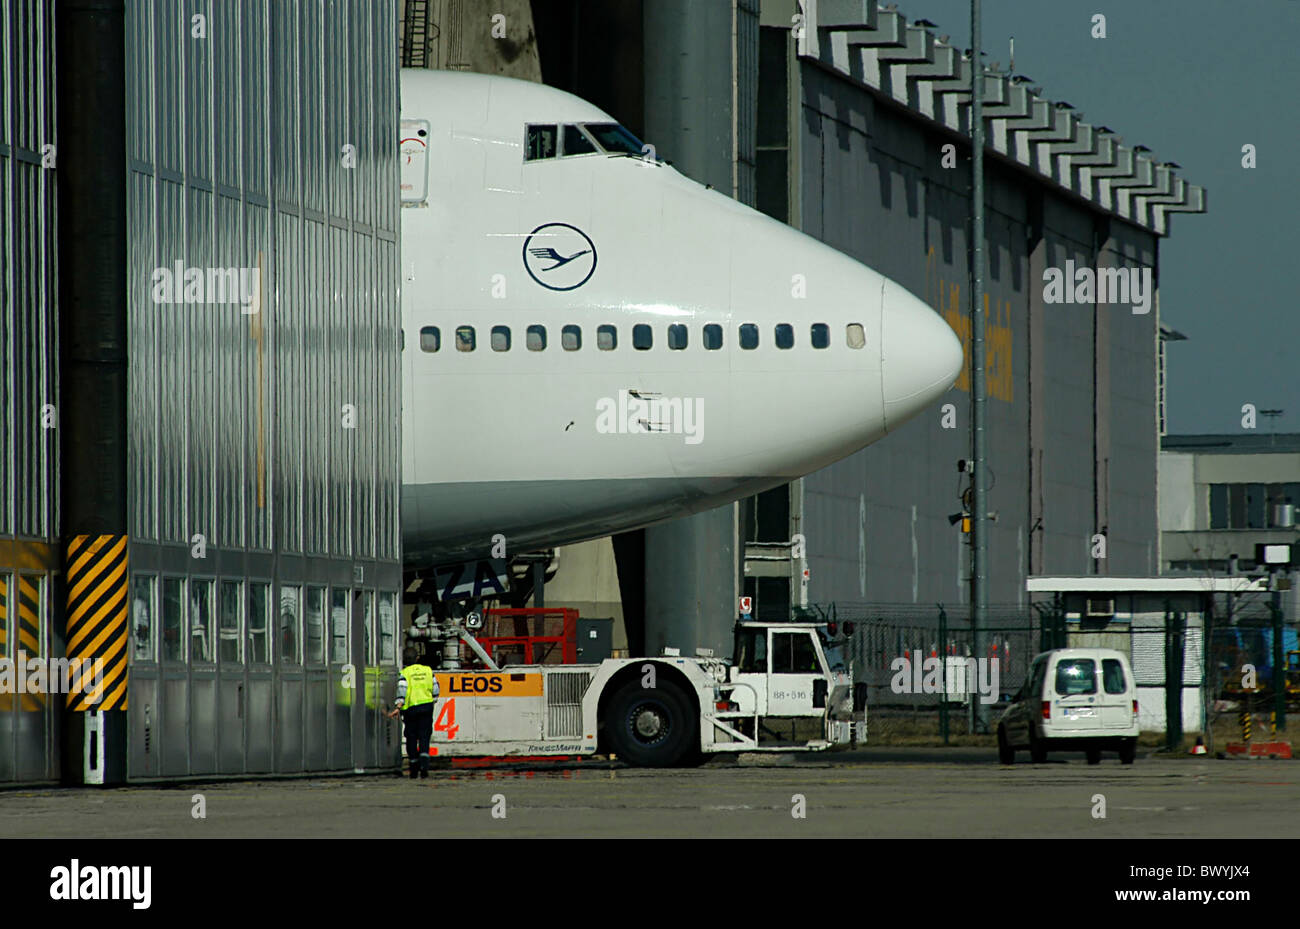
{"x":1194,"y":81}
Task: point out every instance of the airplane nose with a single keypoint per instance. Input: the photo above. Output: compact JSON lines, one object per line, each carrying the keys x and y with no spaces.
{"x":920,"y":355}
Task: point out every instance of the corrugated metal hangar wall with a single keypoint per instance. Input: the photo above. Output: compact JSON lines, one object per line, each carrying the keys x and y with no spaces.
{"x":1072,"y":418}
{"x":267,"y":444}
{"x":29,"y":371}
{"x":219,"y":364}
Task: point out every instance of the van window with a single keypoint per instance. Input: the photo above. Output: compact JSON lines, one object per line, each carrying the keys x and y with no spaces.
{"x":1112,"y":676}
{"x":1076,"y":676}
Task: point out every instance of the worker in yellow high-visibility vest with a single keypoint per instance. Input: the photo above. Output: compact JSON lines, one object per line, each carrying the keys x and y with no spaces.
{"x":417,"y":691}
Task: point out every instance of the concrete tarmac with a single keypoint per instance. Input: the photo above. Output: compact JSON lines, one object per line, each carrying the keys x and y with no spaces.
{"x":917,"y":792}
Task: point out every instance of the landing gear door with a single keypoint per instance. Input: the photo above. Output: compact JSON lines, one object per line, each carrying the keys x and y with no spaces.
{"x":795,"y":671}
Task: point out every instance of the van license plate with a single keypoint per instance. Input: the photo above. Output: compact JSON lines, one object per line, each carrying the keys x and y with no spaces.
{"x":1083,"y":712}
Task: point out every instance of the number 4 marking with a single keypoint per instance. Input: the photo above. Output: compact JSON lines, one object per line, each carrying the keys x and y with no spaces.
{"x":446,"y":721}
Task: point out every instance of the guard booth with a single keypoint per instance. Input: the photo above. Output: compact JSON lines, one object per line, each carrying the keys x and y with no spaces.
{"x":1164,"y":625}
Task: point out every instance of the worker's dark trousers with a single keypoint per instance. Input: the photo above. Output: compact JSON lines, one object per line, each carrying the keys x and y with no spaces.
{"x":419,"y":728}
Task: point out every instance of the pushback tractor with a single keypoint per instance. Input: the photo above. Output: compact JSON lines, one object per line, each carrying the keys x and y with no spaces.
{"x":781,"y":694}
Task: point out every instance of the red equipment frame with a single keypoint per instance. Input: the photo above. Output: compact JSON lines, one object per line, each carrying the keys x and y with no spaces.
{"x":567,"y":640}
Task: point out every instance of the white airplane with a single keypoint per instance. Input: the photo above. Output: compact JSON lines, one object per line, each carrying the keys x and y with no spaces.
{"x":594,"y":342}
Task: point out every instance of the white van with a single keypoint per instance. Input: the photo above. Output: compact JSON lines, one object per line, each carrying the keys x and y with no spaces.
{"x":1075,"y":699}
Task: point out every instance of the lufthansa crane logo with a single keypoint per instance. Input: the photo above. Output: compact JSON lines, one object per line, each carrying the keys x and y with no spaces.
{"x":559,"y":256}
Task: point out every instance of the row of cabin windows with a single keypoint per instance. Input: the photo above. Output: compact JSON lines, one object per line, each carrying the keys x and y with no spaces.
{"x":535,"y":338}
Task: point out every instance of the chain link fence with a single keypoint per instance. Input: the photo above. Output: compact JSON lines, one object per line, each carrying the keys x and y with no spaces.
{"x":922,"y":688}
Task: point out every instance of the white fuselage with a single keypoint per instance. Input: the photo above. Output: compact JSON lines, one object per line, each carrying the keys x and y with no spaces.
{"x":543,"y":432}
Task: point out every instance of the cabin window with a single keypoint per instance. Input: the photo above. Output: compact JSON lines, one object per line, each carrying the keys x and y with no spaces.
{"x":606,"y":338}
{"x":539,"y":142}
{"x":784,"y":335}
{"x":748,"y":336}
{"x":676,"y":337}
{"x":575,"y":143}
{"x":713,"y":337}
{"x":856,"y":335}
{"x":500,"y":338}
{"x":430,"y":339}
{"x":821,"y":335}
{"x":641,"y":337}
{"x":571,"y":338}
{"x":465,"y":338}
{"x":535,"y":338}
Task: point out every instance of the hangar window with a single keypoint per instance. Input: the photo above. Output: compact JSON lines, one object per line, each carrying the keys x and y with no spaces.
{"x":855,"y":335}
{"x":713,"y":337}
{"x":535,"y":338}
{"x":606,"y":338}
{"x":575,"y":143}
{"x":290,"y":624}
{"x":641,"y":337}
{"x":430,"y":339}
{"x":571,"y":338}
{"x":173,"y":619}
{"x":677,"y":337}
{"x":258,"y":648}
{"x":500,"y":338}
{"x":387,"y":628}
{"x":142,"y":611}
{"x":231,"y":633}
{"x":201,"y":619}
{"x":784,"y":335}
{"x":539,"y":142}
{"x":314,"y":616}
{"x":339,"y":625}
{"x":748,"y":336}
{"x":821,"y":335}
{"x":465,"y":338}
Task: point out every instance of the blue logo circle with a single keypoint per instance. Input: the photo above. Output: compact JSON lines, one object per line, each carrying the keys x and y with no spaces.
{"x":559,"y":256}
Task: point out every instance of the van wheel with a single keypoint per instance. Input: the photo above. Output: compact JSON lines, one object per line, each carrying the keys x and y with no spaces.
{"x":1094,"y":756}
{"x":1128,"y":750}
{"x":651,"y":727}
{"x":1006,"y":754}
{"x":1037,"y":750}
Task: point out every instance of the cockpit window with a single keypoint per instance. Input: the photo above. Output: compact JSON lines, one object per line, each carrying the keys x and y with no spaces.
{"x":575,"y":143}
{"x":539,"y":142}
{"x":614,"y":139}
